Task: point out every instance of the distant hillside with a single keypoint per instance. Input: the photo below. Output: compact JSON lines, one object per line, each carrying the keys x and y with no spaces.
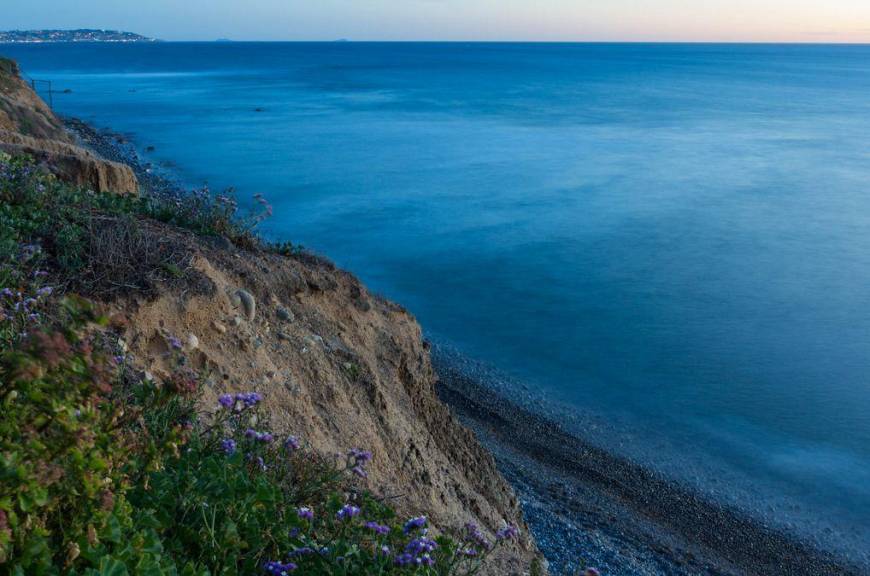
{"x":81,"y":35}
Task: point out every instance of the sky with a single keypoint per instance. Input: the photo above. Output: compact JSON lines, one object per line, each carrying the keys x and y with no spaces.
{"x":542,"y":20}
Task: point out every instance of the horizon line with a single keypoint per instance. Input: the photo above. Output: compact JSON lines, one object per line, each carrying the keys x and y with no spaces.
{"x":471,"y":41}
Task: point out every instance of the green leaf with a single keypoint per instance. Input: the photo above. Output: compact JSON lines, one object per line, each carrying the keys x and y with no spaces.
{"x":112,"y":567}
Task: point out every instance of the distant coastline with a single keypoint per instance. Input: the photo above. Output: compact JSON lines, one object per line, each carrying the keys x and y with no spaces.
{"x":78,"y":35}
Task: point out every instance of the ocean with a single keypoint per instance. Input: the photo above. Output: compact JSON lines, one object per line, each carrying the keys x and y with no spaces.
{"x":669,"y":242}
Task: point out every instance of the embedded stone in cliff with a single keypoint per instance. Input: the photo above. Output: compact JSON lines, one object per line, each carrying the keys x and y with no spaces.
{"x":284,"y":314}
{"x":247,"y":301}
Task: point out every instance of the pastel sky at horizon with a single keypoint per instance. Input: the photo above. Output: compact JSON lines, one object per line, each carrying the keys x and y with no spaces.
{"x":545,"y":20}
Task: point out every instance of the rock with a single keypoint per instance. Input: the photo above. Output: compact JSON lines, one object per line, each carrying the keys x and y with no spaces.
{"x":248,"y":302}
{"x":284,"y":314}
{"x":219,"y":327}
{"x":283,"y":336}
{"x":222,"y":242}
{"x":236,"y":321}
{"x":192,"y":342}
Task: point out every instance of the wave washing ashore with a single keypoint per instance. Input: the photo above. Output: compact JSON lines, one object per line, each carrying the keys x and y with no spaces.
{"x":579,"y":499}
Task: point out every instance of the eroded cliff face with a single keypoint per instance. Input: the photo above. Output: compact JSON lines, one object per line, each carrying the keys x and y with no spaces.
{"x":27,"y":125}
{"x":338,"y":367}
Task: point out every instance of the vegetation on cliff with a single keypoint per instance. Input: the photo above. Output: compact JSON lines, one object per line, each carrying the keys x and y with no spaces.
{"x":105,"y":469}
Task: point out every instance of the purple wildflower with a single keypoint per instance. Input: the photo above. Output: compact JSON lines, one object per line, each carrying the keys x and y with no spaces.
{"x":174,"y":343}
{"x":347,"y":512}
{"x":226,"y":400}
{"x":385,"y":550}
{"x":379,"y":529}
{"x":360,"y":471}
{"x":291,"y":443}
{"x":414,"y":524}
{"x":305,"y":513}
{"x":360,"y":456}
{"x":304,"y":551}
{"x":228,"y":445}
{"x":45,"y":291}
{"x":421,"y":545}
{"x":276,"y":568}
{"x":7,"y":292}
{"x":417,"y":553}
{"x":591,"y":572}
{"x":475,"y":536}
{"x":258,"y":436}
{"x":509,"y":532}
{"x":249,"y":399}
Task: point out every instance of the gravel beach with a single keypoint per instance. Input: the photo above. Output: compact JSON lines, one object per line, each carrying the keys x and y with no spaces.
{"x":582,"y":502}
{"x":153,"y":180}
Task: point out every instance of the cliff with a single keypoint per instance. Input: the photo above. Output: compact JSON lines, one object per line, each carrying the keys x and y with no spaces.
{"x":337,"y":366}
{"x":28,"y":126}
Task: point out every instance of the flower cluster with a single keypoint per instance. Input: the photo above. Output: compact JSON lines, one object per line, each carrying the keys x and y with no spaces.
{"x":240,"y":401}
{"x":252,"y":434}
{"x":357,"y":460}
{"x":418,"y":552}
{"x":305,"y":513}
{"x":276,"y":568}
{"x":475,"y":538}
{"x":291,"y":443}
{"x":417,"y":523}
{"x":509,"y":532}
{"x":347,"y":512}
{"x":379,"y":529}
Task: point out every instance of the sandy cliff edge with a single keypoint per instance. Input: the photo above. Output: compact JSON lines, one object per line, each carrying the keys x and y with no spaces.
{"x":28,"y":126}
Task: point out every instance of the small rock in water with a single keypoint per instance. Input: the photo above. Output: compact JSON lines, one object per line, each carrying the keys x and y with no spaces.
{"x":249,"y":304}
{"x":284,"y":314}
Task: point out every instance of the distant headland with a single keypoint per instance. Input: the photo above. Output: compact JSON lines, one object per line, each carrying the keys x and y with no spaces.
{"x":80,"y":35}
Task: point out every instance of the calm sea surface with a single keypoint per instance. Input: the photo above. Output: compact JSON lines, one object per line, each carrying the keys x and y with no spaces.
{"x":672,"y":240}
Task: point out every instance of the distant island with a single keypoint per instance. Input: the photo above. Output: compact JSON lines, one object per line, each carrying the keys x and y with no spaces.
{"x":80,"y":35}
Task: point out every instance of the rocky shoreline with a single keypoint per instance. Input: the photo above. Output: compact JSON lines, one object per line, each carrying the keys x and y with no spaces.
{"x":118,"y":148}
{"x":582,"y":501}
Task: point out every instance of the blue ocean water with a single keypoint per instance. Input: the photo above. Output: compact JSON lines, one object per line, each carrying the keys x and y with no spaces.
{"x":673,"y":240}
